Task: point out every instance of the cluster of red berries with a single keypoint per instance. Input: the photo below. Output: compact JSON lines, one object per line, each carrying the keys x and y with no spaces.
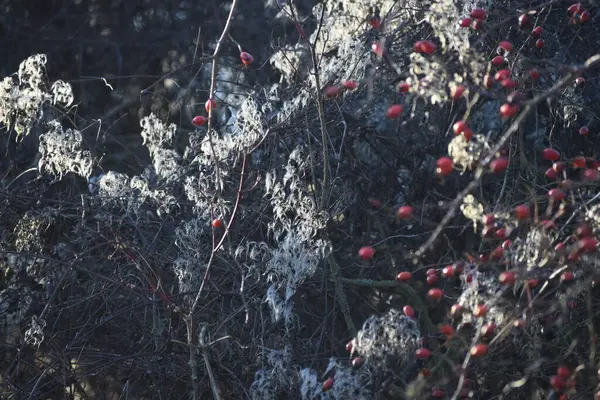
{"x":211,"y":104}
{"x":496,"y":227}
{"x":578,"y":14}
{"x":475,"y":21}
{"x":200,"y":120}
{"x":334,"y":91}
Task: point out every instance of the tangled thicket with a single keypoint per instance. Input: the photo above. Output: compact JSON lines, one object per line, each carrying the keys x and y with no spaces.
{"x":228,"y":267}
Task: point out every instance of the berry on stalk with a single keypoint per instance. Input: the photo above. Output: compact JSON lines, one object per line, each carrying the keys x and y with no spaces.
{"x":394,"y":111}
{"x":246,"y":58}
{"x":198,"y":120}
{"x":405,"y":212}
{"x":425,"y":47}
{"x":444,"y":166}
{"x":366,"y":252}
{"x":211,"y":104}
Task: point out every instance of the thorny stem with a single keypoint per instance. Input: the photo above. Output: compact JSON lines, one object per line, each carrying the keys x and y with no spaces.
{"x":189,"y":319}
{"x":213,"y":82}
{"x":319,"y":103}
{"x":474,"y":184}
{"x":324,"y":203}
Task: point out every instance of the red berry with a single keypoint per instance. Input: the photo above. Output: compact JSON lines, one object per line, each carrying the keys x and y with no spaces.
{"x":508,"y":278}
{"x":557,"y":383}
{"x":534,"y":74}
{"x":479,"y":350}
{"x":211,"y":104}
{"x":583,"y":230}
{"x":488,"y":330}
{"x":350,"y":85}
{"x":537,"y":31}
{"x":524,"y":20}
{"x":563,"y":372}
{"x":575,"y":9}
{"x":332,"y":91}
{"x":350,"y":346}
{"x":327,"y":384}
{"x":405,"y":212}
{"x":456,"y":310}
{"x":502,"y":75}
{"x":559,"y":166}
{"x":246,"y":58}
{"x":217,"y":223}
{"x":409,"y":311}
{"x":393,"y":111}
{"x":444,"y":166}
{"x":465,"y":22}
{"x":550,"y":154}
{"x":489,"y":219}
{"x":425,"y":47}
{"x":457,"y":92}
{"x":480,"y":310}
{"x":478,"y":24}
{"x":404,"y":276}
{"x":508,"y":110}
{"x":357,"y":362}
{"x":522,"y":212}
{"x":509,"y":84}
{"x":447,"y":330}
{"x":585,"y":17}
{"x":459,"y":127}
{"x":590,"y":175}
{"x":432,"y":280}
{"x":437,"y":393}
{"x":498,"y":60}
{"x":580,"y":81}
{"x":377,"y":48}
{"x":366,"y":252}
{"x":431,"y":271}
{"x":551,"y":173}
{"x":584,"y":130}
{"x":567,"y":276}
{"x":556,"y":194}
{"x":506,"y":45}
{"x":587,"y":245}
{"x":435,"y":294}
{"x":423,"y":353}
{"x":579,"y":162}
{"x":532,"y":283}
{"x":499,"y":164}
{"x":539,"y":43}
{"x":375,"y":22}
{"x":501,"y":233}
{"x":426,"y":372}
{"x":448,"y":271}
{"x":478,"y":13}
{"x":198,"y":120}
{"x":497,"y":253}
{"x":467,"y":134}
{"x":403,"y":87}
